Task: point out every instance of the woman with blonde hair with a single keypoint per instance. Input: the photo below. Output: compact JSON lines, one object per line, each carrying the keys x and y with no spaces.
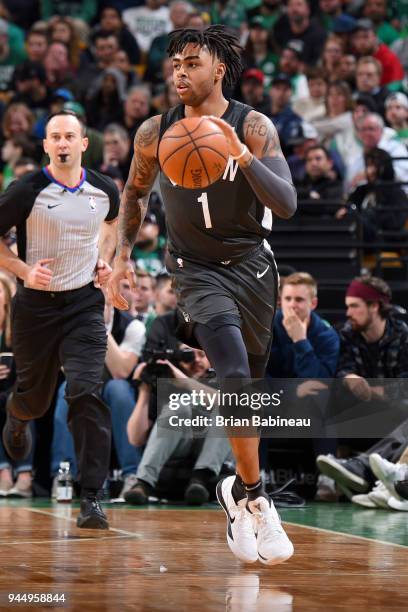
{"x":332,"y":55}
{"x":23,"y":469}
{"x":63,"y":29}
{"x":17,"y":119}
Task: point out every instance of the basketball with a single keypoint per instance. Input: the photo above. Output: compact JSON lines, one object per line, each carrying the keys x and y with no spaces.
{"x":193,"y":152}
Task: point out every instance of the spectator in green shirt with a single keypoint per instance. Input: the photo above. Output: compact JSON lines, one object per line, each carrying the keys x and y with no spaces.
{"x":269,"y":10}
{"x":376,"y":10}
{"x":328,"y":11}
{"x":230,"y":13}
{"x":78,"y":9}
{"x":148,"y":252}
{"x":259,"y":50}
{"x":12,"y":51}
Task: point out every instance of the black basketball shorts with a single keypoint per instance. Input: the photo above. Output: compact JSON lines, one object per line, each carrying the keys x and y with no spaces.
{"x":244,"y":294}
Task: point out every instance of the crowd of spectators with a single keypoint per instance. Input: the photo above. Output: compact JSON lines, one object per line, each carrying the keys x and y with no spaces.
{"x":332,"y":76}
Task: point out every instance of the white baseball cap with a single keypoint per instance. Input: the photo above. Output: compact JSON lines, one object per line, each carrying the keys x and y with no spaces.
{"x":397,"y":97}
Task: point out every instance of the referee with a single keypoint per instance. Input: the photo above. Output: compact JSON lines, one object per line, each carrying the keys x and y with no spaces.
{"x":65,"y":217}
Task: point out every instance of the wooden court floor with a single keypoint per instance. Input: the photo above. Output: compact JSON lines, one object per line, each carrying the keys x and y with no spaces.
{"x":176,"y":559}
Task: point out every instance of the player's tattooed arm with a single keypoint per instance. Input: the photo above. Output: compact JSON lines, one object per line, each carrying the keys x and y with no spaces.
{"x":261,"y":136}
{"x":265,"y":167}
{"x":262,"y":162}
{"x":135,"y":197}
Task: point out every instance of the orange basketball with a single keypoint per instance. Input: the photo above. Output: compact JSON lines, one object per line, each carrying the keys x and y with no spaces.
{"x":193,"y":152}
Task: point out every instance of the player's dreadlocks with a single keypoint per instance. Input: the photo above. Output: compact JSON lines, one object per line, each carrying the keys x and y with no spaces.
{"x":219,"y":41}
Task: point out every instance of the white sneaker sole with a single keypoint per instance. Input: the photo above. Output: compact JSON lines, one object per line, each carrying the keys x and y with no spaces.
{"x":231,"y":543}
{"x":380,"y":501}
{"x":363,"y":500}
{"x":376,"y":466}
{"x":396,"y":504}
{"x":280,"y":559}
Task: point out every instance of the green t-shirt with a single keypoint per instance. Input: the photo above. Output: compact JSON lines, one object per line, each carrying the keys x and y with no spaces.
{"x":269,"y":65}
{"x":232,"y":15}
{"x":8,"y":176}
{"x":17,"y":45}
{"x":402,"y":136}
{"x":399,"y":10}
{"x":270,"y":20}
{"x":326,"y":21}
{"x":387,"y":34}
{"x":251,"y":4}
{"x":79,"y":9}
{"x":17,"y":54}
{"x":150,"y":261}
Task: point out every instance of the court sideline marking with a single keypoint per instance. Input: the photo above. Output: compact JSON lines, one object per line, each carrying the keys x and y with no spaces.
{"x":79,"y":539}
{"x":73,"y":520}
{"x":349,"y":535}
{"x":138,"y":535}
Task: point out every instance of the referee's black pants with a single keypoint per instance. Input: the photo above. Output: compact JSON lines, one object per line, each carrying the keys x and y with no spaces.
{"x":65,"y":329}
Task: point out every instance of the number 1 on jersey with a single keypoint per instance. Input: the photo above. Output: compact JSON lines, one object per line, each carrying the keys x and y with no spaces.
{"x":203,"y":199}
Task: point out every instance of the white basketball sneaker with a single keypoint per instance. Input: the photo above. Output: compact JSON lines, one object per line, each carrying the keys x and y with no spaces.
{"x":273,"y":544}
{"x":398,"y":504}
{"x":389,"y":473}
{"x":240,"y":534}
{"x":380,"y":495}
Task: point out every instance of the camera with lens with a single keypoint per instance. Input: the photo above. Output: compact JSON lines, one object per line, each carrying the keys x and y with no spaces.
{"x":154,"y":370}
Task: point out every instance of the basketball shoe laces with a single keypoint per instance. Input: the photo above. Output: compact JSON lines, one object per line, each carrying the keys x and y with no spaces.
{"x":243,"y":518}
{"x":94,"y":502}
{"x":265,"y":523}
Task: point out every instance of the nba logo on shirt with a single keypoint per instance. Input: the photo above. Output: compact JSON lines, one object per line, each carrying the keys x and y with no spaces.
{"x":92,"y":203}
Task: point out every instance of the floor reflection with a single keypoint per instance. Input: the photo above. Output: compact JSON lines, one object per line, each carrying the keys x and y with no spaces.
{"x":247,"y":593}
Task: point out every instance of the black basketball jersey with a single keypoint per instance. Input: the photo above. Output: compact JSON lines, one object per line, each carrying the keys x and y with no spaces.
{"x":222,"y":222}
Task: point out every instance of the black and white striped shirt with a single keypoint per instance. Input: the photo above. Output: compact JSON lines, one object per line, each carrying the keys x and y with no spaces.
{"x":60,"y":222}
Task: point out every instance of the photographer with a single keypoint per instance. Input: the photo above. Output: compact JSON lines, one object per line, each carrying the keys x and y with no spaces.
{"x":207,"y":454}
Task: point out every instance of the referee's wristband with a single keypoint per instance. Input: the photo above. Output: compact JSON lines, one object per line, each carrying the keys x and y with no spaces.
{"x":243,"y":152}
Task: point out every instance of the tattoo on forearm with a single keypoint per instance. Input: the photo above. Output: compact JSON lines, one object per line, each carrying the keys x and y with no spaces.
{"x":135,"y":196}
{"x":131,"y":218}
{"x":257,"y":125}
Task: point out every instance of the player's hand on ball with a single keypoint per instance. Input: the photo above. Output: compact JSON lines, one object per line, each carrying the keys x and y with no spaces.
{"x":121,"y":269}
{"x":235,"y":146}
{"x":38,"y":276}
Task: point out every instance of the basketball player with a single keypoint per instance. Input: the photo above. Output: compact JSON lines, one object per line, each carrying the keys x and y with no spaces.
{"x":225,"y":275}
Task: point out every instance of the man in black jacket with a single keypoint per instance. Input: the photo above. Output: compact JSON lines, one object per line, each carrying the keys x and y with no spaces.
{"x":320,"y":181}
{"x":373,"y":345}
